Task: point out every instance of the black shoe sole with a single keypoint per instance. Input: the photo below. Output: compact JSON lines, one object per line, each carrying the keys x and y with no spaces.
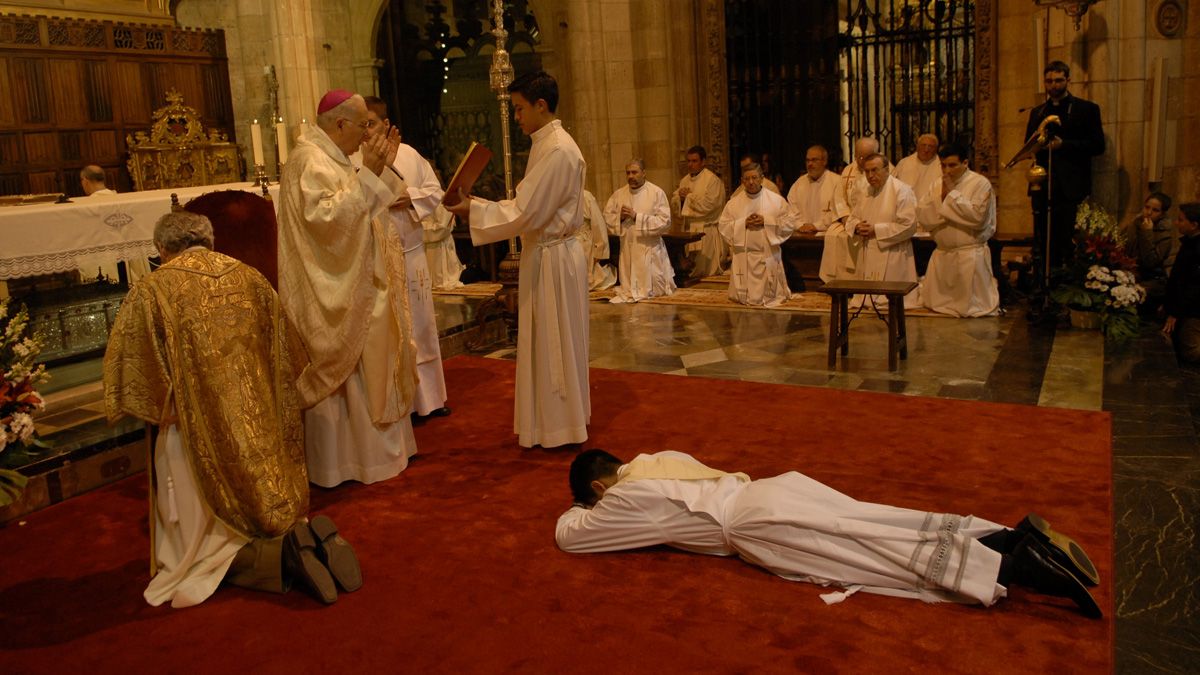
{"x":1078,"y":592}
{"x":1066,"y":552}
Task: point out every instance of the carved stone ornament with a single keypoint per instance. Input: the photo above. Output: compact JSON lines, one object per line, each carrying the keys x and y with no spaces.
{"x":1168,"y":18}
{"x":179,"y":152}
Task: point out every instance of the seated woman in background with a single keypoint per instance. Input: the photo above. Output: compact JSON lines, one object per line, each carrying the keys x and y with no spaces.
{"x":1183,"y":287}
{"x":1153,"y":243}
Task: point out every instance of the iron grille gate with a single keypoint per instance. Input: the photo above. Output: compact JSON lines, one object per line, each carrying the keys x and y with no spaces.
{"x":782,"y":69}
{"x":909,"y":70}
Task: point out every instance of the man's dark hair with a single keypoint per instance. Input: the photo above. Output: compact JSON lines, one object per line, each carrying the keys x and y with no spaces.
{"x":1057,"y":67}
{"x":818,"y":146}
{"x":754,"y":158}
{"x":1163,"y":198}
{"x":537,"y":85}
{"x":377,"y":106}
{"x":1192,"y":211}
{"x":697,"y":150}
{"x":588,"y":466}
{"x":954,"y":150}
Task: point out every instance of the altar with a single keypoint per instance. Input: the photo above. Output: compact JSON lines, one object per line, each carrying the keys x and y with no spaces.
{"x":52,"y":238}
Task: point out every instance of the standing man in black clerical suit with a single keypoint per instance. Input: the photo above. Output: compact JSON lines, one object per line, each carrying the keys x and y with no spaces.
{"x":1076,"y":139}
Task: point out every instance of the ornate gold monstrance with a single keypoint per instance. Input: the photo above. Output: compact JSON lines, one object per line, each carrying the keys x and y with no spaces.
{"x":179,"y":152}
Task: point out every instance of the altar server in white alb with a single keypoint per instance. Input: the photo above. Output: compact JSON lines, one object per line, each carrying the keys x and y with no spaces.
{"x":959,"y":211}
{"x":699,"y":200}
{"x":553,"y":405}
{"x":445,"y":269}
{"x":423,"y":196}
{"x":920,"y":169}
{"x":343,"y":285}
{"x":803,"y":530}
{"x":876,"y":244}
{"x":594,"y":237}
{"x":640,"y":214}
{"x":811,"y":196}
{"x":755,"y":224}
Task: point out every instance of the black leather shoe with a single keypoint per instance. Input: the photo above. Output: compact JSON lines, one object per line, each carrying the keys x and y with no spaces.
{"x":337,"y":555}
{"x":1062,"y":548}
{"x":301,"y":562}
{"x":1035,"y":569}
{"x":440,"y":412}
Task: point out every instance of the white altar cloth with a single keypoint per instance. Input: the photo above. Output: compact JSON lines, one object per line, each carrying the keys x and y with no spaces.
{"x":51,"y":238}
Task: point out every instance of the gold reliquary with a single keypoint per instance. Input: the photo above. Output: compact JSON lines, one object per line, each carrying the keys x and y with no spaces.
{"x":179,"y":152}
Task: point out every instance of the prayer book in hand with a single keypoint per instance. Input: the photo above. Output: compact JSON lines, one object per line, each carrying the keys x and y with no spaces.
{"x":469,"y":169}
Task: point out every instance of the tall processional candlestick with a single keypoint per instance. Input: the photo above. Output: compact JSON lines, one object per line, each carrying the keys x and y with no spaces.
{"x":500,"y":75}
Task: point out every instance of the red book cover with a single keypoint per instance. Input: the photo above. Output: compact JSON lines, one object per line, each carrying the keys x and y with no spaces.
{"x":469,"y":169}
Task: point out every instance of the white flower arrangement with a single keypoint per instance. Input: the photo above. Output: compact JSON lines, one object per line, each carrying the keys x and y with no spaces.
{"x":19,"y":398}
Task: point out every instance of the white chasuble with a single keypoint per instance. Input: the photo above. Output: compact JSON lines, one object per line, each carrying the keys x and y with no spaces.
{"x":342,"y":281}
{"x":887,"y":255}
{"x":757,"y":276}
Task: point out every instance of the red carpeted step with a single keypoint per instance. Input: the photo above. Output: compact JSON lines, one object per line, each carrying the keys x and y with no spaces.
{"x":461,"y":573}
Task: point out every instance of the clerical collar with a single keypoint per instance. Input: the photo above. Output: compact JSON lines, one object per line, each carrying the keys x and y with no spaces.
{"x":546,"y":130}
{"x":635,"y":189}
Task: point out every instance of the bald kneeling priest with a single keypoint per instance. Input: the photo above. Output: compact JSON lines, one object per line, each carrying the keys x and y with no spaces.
{"x":202,"y":348}
{"x":805,"y":531}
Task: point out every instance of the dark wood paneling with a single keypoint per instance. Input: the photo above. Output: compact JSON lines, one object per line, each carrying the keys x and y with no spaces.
{"x":45,"y":181}
{"x":130,"y":93}
{"x":97,"y":91}
{"x":10,"y":150}
{"x":41,"y":148}
{"x":29,"y":78}
{"x":102,"y":146}
{"x":8,"y":116}
{"x":71,"y":91}
{"x":69,"y":107}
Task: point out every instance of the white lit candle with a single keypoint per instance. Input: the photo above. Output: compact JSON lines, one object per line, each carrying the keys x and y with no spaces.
{"x":282,"y":139}
{"x":256,"y":142}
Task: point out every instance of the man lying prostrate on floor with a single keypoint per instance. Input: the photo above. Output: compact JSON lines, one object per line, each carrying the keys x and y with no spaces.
{"x":805,"y":531}
{"x":202,"y":349}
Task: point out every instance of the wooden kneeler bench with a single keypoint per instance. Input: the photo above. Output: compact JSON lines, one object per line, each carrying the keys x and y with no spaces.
{"x":839,"y":315}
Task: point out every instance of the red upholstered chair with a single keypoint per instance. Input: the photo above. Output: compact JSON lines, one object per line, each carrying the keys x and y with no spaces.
{"x":243,"y":227}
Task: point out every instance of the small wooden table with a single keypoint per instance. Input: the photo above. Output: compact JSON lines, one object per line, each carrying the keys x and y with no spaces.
{"x":839,"y":315}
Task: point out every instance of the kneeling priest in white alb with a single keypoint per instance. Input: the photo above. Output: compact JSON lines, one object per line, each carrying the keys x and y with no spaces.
{"x":959,"y":212}
{"x":876,"y":242}
{"x":755,"y":224}
{"x":639,"y":213}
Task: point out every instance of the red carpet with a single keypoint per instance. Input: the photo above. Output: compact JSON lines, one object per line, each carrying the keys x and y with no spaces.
{"x":462,"y":574}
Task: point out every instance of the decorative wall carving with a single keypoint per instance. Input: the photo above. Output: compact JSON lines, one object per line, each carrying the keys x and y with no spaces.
{"x":987,"y":141}
{"x":178,"y":151}
{"x":714,"y":88}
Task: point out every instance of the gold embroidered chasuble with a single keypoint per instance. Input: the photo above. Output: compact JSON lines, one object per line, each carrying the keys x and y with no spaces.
{"x":203,"y":343}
